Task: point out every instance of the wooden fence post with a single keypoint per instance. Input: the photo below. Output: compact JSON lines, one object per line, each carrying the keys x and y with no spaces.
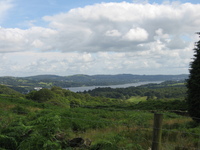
{"x":157,"y":132}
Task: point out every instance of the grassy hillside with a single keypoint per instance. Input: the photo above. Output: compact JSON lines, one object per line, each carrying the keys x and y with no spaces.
{"x":4,"y":90}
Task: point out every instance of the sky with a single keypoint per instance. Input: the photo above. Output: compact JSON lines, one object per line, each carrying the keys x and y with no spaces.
{"x":68,"y":37}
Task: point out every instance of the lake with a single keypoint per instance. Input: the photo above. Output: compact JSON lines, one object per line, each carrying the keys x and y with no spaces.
{"x":87,"y":88}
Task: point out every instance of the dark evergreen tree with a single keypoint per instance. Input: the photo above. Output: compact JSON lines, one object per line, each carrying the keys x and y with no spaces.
{"x":193,"y":85}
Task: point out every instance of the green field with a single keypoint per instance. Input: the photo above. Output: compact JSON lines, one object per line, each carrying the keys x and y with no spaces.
{"x":137,"y":99}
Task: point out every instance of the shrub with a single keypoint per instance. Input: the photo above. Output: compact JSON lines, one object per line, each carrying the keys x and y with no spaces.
{"x":7,"y":142}
{"x":104,"y":145}
{"x":20,"y":110}
{"x":42,"y":95}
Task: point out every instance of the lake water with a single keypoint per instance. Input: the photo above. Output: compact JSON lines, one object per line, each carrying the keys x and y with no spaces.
{"x":87,"y":88}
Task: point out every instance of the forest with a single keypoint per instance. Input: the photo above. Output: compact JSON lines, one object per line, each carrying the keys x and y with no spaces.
{"x":101,"y":119}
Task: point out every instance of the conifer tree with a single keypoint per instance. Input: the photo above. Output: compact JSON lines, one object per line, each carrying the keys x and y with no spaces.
{"x":193,"y":85}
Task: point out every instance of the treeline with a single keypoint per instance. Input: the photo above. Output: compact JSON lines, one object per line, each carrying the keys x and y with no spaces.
{"x":65,"y":98}
{"x":165,"y":90}
{"x":108,"y":97}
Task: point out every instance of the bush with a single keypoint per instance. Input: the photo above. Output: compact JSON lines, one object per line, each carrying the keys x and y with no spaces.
{"x":7,"y":142}
{"x":38,"y":142}
{"x":20,"y":110}
{"x":44,"y":129}
{"x":104,"y":145}
{"x":42,"y":95}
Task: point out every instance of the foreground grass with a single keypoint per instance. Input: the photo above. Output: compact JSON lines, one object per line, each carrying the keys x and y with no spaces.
{"x":25,"y":124}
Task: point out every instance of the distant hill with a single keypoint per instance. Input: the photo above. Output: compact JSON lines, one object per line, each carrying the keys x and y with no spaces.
{"x":107,"y":79}
{"x":24,"y":84}
{"x":43,"y":77}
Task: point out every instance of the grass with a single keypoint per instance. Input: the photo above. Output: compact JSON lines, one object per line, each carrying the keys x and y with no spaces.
{"x":107,"y":128}
{"x":137,"y":99}
{"x":47,"y":84}
{"x":176,"y":84}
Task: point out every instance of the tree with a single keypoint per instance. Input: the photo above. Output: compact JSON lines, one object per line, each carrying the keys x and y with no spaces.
{"x":42,"y":95}
{"x":193,"y":85}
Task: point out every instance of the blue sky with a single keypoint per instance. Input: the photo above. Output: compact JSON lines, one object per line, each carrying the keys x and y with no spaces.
{"x":97,"y":37}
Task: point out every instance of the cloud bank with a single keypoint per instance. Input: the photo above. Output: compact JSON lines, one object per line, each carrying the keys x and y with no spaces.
{"x":113,"y":37}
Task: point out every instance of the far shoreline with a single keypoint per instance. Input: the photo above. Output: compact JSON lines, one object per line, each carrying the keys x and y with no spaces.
{"x":87,"y":88}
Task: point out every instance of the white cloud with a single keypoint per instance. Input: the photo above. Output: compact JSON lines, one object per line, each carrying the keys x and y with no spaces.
{"x":136,"y":34}
{"x":110,"y":27}
{"x":35,"y":38}
{"x":107,"y":37}
{"x":140,"y":62}
{"x":113,"y":26}
{"x":161,"y":35}
{"x":113,"y":33}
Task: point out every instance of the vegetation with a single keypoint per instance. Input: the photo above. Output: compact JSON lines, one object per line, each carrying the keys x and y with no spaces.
{"x":193,"y":84}
{"x":26,"y":84}
{"x":8,"y":91}
{"x":166,"y":90}
{"x":54,"y":118}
